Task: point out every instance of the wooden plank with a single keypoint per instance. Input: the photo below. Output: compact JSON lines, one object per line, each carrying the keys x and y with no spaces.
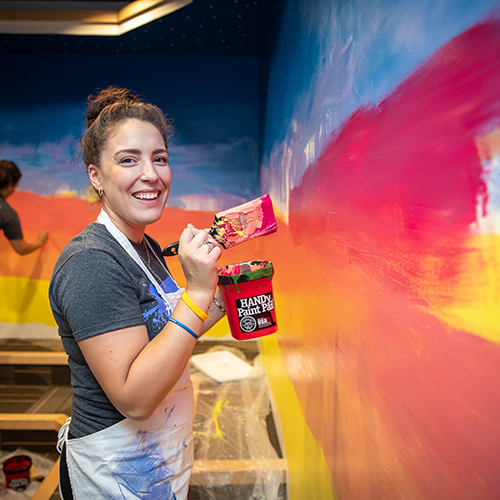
{"x":33,"y":358}
{"x":56,"y":400}
{"x":40,"y":422}
{"x":49,"y":484}
{"x":32,"y":421}
{"x":215,"y":472}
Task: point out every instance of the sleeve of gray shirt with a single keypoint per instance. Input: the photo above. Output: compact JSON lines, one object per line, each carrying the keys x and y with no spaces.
{"x":93,"y":294}
{"x":9,"y":222}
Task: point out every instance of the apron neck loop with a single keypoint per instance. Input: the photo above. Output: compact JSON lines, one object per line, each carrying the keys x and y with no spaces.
{"x":103,"y":218}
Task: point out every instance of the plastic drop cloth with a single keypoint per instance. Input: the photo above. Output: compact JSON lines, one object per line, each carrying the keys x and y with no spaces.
{"x":230,"y":424}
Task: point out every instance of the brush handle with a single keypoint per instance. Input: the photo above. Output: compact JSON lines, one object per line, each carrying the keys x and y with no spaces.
{"x":171,"y":249}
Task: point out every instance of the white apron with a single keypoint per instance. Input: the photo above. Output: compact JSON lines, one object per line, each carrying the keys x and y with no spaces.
{"x":146,"y":460}
{"x":132,"y":459}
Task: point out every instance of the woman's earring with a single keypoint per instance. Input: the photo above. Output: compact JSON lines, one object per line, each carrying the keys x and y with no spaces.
{"x":99,"y":192}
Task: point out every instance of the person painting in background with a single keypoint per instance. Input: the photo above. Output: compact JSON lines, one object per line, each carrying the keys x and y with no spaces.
{"x":126,"y":326}
{"x":9,"y":220}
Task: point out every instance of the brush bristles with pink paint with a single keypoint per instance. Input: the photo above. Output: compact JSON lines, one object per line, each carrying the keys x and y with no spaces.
{"x":242,"y":223}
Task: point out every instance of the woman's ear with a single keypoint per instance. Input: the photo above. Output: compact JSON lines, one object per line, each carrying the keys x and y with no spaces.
{"x":94,"y":177}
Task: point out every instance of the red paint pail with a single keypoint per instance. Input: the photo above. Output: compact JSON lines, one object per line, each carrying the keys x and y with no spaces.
{"x":248,"y":298}
{"x":17,"y":472}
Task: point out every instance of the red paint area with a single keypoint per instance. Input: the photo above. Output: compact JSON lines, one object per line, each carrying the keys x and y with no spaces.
{"x":403,"y":406}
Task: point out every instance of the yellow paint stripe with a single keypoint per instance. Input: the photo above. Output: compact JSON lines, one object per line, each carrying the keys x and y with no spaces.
{"x":476,"y":308}
{"x":217,"y":410}
{"x":302,"y":451}
{"x":219,"y":330}
{"x":25,"y":300}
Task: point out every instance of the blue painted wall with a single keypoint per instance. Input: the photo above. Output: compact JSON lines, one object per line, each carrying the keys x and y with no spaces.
{"x":213,"y":102}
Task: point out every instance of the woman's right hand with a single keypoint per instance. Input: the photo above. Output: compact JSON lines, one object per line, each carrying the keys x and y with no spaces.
{"x":198,"y":254}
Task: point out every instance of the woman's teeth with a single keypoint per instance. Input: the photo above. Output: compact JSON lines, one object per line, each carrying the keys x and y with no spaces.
{"x":146,"y":196}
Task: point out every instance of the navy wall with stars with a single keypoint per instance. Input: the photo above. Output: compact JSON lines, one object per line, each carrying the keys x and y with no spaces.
{"x":201,"y":65}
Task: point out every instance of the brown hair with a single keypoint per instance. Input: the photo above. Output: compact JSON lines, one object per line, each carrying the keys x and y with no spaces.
{"x":106,"y":110}
{"x":9,"y":174}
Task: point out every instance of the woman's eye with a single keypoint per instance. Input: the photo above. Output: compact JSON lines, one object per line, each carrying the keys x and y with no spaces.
{"x":161,"y":160}
{"x":126,"y":161}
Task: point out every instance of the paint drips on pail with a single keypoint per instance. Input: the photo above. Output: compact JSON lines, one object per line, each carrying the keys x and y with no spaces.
{"x":248,"y":298}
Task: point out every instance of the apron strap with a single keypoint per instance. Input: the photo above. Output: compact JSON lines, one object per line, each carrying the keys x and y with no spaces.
{"x":62,"y":435}
{"x":104,"y":219}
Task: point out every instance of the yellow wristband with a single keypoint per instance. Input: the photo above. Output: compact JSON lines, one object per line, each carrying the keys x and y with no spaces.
{"x":187,"y":299}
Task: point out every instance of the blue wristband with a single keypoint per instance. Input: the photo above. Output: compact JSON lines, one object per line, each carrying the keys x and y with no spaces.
{"x":184,"y":326}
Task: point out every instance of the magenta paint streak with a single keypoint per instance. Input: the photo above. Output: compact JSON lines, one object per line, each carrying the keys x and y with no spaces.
{"x":396,"y":186}
{"x":405,"y":176}
{"x":244,"y":222}
{"x":412,"y":158}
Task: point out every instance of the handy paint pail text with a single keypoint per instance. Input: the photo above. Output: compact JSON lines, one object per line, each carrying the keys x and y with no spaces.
{"x":17,"y":472}
{"x":248,"y":298}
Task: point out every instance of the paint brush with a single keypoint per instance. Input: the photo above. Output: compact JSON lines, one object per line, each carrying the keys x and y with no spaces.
{"x":236,"y":225}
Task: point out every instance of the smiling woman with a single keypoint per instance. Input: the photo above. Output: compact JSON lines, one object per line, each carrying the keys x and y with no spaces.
{"x":125,"y":150}
{"x":133,"y":178}
{"x":127,"y":333}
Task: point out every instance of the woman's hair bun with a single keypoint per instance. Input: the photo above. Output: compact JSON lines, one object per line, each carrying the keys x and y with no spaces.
{"x":110,"y":95}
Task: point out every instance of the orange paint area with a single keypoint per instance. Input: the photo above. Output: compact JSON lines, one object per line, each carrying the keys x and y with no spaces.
{"x":65,"y":217}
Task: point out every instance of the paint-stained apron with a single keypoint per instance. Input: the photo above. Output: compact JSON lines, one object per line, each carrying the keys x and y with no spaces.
{"x":144,"y":460}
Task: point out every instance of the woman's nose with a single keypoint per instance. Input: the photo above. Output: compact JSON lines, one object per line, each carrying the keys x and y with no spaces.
{"x":149,"y":172}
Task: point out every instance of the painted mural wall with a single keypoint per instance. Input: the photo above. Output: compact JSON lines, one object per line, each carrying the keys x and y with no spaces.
{"x":213,"y":103}
{"x":381,"y":146}
{"x":381,"y":151}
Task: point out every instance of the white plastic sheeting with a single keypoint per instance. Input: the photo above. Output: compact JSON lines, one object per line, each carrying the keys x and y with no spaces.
{"x":230,"y":424}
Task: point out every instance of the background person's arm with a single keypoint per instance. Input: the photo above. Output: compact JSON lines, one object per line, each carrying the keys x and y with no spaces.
{"x":22,"y":247}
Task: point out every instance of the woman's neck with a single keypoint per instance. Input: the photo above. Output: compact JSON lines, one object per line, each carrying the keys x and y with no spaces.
{"x":133,"y":233}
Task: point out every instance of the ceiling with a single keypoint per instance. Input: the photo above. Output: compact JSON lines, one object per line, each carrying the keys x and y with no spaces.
{"x":202,"y":27}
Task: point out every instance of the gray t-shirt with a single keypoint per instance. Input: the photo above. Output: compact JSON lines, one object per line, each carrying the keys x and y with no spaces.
{"x":9,"y":221}
{"x":96,"y":288}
